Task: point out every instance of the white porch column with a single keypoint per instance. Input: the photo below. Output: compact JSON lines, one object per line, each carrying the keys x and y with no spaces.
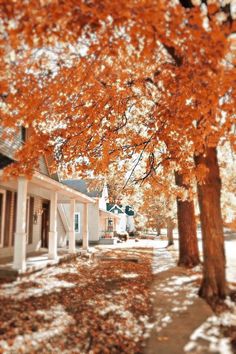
{"x":52,"y":244}
{"x":19,"y":257}
{"x":85,"y":227}
{"x":114,"y":223}
{"x":72,"y":227}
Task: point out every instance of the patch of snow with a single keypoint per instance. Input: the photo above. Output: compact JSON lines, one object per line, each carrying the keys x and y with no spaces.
{"x":209,"y":338}
{"x":179,"y":309}
{"x":60,"y":320}
{"x":183,"y":279}
{"x":44,"y":284}
{"x":162,"y":261}
{"x":171,"y":288}
{"x":132,"y":328}
{"x":129,"y":275}
{"x":166,"y":319}
{"x":48,"y":286}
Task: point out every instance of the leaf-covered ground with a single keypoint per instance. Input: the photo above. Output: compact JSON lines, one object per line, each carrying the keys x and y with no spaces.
{"x":131,"y":299}
{"x":99,"y":306}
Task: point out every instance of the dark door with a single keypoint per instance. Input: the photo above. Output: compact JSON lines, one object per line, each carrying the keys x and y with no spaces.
{"x":45,"y":225}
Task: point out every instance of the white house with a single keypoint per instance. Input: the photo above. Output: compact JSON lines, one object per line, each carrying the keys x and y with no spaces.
{"x":101,"y":223}
{"x":30,"y":218}
{"x":126,"y":214}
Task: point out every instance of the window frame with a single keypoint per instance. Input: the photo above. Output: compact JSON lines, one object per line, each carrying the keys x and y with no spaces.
{"x":77,"y":213}
{"x":23,"y":134}
{"x":109,"y":225}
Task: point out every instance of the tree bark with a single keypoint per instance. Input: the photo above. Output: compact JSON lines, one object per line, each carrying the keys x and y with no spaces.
{"x":188,"y":244}
{"x":170,"y":228}
{"x":213,"y":287}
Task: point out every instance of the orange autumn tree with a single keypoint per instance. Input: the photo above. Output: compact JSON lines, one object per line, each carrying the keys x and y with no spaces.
{"x":202,"y":119}
{"x":159,"y":208}
{"x":152,"y":75}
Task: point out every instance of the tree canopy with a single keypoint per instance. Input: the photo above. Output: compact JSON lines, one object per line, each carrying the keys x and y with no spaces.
{"x":95,"y":81}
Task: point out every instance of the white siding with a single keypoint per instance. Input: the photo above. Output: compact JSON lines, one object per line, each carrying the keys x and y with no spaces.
{"x":121,"y":224}
{"x":130,"y":223}
{"x":35,"y":245}
{"x":61,"y":232}
{"x":93,"y":220}
{"x":36,"y":227}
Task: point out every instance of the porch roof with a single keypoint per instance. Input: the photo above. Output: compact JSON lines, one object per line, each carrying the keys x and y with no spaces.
{"x":67,"y":192}
{"x":41,"y":185}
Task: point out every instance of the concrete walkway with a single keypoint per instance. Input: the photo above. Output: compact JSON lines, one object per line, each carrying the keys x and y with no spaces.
{"x":184,"y":323}
{"x":177,"y":311}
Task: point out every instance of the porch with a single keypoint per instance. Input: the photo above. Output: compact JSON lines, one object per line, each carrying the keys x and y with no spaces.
{"x":35,"y":261}
{"x":108,"y":225}
{"x":33,"y":224}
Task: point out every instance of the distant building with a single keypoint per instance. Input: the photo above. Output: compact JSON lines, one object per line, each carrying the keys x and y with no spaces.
{"x":126,"y":213}
{"x":102,"y":223}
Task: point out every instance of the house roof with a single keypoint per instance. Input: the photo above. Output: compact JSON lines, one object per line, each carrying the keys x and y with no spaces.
{"x":65,"y":191}
{"x":8,"y":148}
{"x":83,"y":187}
{"x":128,"y":210}
{"x":112,"y":207}
{"x":42,"y":185}
{"x":4,"y":161}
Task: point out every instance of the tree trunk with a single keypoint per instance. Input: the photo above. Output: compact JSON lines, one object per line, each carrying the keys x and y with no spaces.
{"x":170,"y":228}
{"x":158,"y":231}
{"x":213,"y":287}
{"x":188,"y":244}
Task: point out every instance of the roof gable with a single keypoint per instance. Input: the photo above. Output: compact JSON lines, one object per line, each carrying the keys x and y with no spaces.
{"x":113,"y":207}
{"x":129,"y":210}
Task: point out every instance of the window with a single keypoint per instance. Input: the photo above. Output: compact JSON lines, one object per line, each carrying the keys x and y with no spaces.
{"x":109,"y":225}
{"x":77,"y":222}
{"x":23,"y":133}
{"x":2,"y":215}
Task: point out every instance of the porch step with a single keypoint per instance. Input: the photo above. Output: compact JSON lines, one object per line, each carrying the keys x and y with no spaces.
{"x":9,"y":273}
{"x":107,"y":241}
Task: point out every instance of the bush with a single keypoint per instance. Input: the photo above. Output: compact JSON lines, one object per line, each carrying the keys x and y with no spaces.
{"x":124,"y":236}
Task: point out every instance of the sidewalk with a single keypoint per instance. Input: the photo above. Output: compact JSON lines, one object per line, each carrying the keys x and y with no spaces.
{"x":177,"y":310}
{"x":184,"y":323}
